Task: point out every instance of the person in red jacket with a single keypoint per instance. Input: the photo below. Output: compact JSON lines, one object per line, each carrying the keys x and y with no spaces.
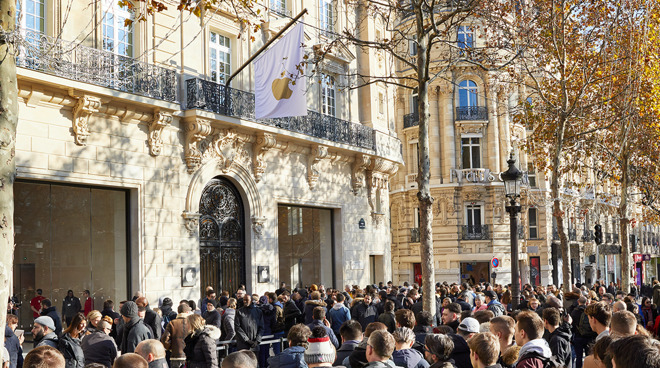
{"x":35,"y":304}
{"x":89,"y":302}
{"x":529,"y":336}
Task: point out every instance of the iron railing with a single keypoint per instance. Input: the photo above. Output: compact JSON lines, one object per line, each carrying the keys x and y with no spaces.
{"x":214,"y":97}
{"x":71,"y":60}
{"x":410,"y":120}
{"x":587,"y":235}
{"x":415,"y":235}
{"x":471,"y":113}
{"x":475,"y":232}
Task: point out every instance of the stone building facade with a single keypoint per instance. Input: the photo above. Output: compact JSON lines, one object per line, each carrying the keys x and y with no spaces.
{"x":138,"y":170}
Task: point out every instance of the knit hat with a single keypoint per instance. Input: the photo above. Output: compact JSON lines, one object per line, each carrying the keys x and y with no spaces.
{"x":320,"y":350}
{"x":129,"y":309}
{"x":491,"y":294}
{"x":46,"y":321}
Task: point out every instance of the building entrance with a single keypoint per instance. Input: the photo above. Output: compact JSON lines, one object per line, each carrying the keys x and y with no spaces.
{"x":474,"y":272}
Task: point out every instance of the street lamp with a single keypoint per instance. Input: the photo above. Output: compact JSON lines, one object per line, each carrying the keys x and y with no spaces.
{"x":512,"y":181}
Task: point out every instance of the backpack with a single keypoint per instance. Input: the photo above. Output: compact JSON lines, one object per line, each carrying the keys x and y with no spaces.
{"x":551,"y":362}
{"x":584,"y":329}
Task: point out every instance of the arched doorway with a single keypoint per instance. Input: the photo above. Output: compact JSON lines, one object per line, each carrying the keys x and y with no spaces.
{"x":221,"y":236}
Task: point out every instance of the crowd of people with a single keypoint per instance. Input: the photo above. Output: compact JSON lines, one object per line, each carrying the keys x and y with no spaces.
{"x":378,"y":326}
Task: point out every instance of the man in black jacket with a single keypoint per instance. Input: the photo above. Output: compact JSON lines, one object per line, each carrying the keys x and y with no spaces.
{"x":560,"y":336}
{"x":351,"y":335}
{"x":291,"y":312}
{"x":583,"y":335}
{"x":70,"y":307}
{"x":134,"y":331}
{"x":47,"y":309}
{"x":151,"y":318}
{"x":249,"y":325}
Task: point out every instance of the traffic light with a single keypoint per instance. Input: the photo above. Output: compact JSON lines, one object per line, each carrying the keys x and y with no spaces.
{"x":598,"y":234}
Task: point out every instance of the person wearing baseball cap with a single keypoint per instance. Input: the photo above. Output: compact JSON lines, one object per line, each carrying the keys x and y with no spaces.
{"x":43,"y":331}
{"x":493,"y":305}
{"x":468,"y":328}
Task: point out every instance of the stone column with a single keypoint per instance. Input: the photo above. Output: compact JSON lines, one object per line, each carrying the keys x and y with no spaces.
{"x":505,"y":132}
{"x":446,"y":123}
{"x":493,"y":134}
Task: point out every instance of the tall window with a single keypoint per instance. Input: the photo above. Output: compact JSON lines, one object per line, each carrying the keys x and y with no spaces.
{"x":30,"y":15}
{"x":278,"y":6}
{"x":468,"y":94}
{"x":295,"y":220}
{"x":531,"y":175}
{"x":414,"y":100}
{"x":220,"y":62}
{"x":532,"y":219}
{"x":328,"y":89}
{"x":414,"y":165}
{"x":471,"y":153}
{"x":326,"y":16}
{"x":465,"y":37}
{"x":473,"y":218}
{"x":117,"y":37}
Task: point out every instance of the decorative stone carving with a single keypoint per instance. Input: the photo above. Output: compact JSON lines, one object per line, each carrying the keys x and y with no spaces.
{"x":84,"y":108}
{"x":378,"y":178}
{"x":191,"y":221}
{"x":228,"y":145}
{"x":258,"y":226}
{"x":445,"y":208}
{"x":472,"y":196}
{"x":160,"y":121}
{"x":471,"y":127}
{"x":196,"y":131}
{"x":377,"y":219}
{"x":358,"y":169}
{"x":265,"y":141}
{"x":317,"y":154}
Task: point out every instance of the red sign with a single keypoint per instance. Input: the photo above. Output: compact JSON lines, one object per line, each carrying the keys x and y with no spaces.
{"x":638,"y":257}
{"x":495,"y":262}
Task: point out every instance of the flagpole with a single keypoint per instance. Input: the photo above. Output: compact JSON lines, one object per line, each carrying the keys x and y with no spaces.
{"x":265,"y":46}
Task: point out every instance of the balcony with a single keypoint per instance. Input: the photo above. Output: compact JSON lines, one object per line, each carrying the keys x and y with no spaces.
{"x":73,"y":61}
{"x":214,"y":97}
{"x":471,"y":113}
{"x":587,"y":236}
{"x":475,"y":232}
{"x":415,"y":235}
{"x":410,"y":120}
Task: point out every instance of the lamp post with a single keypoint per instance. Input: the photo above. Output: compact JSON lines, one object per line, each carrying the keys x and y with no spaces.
{"x":512,"y":181}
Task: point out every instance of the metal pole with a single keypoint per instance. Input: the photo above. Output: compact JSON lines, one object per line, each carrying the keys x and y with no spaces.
{"x":513,"y":210}
{"x":265,"y":46}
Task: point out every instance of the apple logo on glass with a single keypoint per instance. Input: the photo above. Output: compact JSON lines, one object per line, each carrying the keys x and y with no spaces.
{"x":281,"y":89}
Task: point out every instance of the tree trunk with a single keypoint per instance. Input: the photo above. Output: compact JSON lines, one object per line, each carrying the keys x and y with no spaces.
{"x":557,"y":211}
{"x":623,"y":224}
{"x":8,"y":122}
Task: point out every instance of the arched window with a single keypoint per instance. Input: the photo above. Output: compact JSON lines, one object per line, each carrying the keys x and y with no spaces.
{"x":468,"y":94}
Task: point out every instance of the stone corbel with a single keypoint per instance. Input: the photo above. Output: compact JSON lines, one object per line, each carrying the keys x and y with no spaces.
{"x":160,"y":121}
{"x":265,"y":141}
{"x":196,"y":131}
{"x":227,"y":145}
{"x":84,"y":108}
{"x":360,"y":165}
{"x":191,"y":221}
{"x":317,"y":154}
{"x":258,"y":226}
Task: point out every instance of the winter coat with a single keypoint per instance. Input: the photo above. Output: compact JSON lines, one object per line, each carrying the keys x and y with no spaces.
{"x":168,"y":314}
{"x":388,"y":320}
{"x":49,"y":340}
{"x":409,"y":358}
{"x":291,"y":314}
{"x":70,"y":306}
{"x":293,"y":357}
{"x":72,"y":351}
{"x":133,"y":333}
{"x":52,"y":313}
{"x":528,"y":354}
{"x":249,"y":327}
{"x":174,"y":335}
{"x":378,"y":364}
{"x":345,"y":351}
{"x":656,"y":294}
{"x":278,"y":324}
{"x":268,"y":312}
{"x":560,"y":344}
{"x":153,"y":320}
{"x":309,"y":309}
{"x":200,"y":348}
{"x":99,"y":348}
{"x":228,"y":331}
{"x":464,"y":305}
{"x":213,"y":318}
{"x":461,"y":352}
{"x":328,"y":331}
{"x":13,"y":346}
{"x":365,"y":314}
{"x":496,"y":307}
{"x":337,"y":315}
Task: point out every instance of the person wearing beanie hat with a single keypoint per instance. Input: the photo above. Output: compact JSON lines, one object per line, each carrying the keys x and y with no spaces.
{"x":168,"y":313}
{"x":493,"y":305}
{"x":43,"y":332}
{"x":320,"y":352}
{"x":134,"y":330}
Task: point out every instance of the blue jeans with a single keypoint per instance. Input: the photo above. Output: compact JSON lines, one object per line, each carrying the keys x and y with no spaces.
{"x":580,"y":347}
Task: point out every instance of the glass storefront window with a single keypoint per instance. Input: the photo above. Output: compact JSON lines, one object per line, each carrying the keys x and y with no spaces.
{"x":306,"y":252}
{"x":69,"y":237}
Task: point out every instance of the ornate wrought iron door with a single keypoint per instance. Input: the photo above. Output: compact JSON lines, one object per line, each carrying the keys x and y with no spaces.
{"x":221,"y":236}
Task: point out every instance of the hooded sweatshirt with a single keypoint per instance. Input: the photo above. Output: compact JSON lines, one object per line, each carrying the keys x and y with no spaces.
{"x":337,"y":315}
{"x":409,"y":358}
{"x":560,"y":344}
{"x":527,"y":357}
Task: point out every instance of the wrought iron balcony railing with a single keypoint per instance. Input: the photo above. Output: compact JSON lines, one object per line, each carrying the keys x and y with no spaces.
{"x":410,"y":120}
{"x":214,"y":97}
{"x":475,"y":232}
{"x":74,"y":61}
{"x":415,"y":235}
{"x":471,"y":113}
{"x":587,"y":235}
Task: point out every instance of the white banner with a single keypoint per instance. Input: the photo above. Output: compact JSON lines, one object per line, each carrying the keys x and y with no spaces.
{"x":279,"y":85}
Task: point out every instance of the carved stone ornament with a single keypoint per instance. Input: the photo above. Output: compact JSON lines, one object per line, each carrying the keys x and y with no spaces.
{"x":377,"y":219}
{"x":471,"y":128}
{"x":317,"y":154}
{"x":228,"y":146}
{"x":258,"y":226}
{"x":358,"y":169}
{"x":472,"y":196}
{"x":191,"y":221}
{"x":84,"y":108}
{"x":445,"y":208}
{"x":160,"y":121}
{"x":196,"y":131}
{"x":265,"y":141}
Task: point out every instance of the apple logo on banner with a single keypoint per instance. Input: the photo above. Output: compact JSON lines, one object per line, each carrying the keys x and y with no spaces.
{"x":281,"y":89}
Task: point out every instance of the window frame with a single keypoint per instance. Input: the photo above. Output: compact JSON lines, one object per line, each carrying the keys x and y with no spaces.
{"x":328,"y":100}
{"x":533,"y":227}
{"x":468,"y":90}
{"x":470,"y":209}
{"x":217,"y":48}
{"x":119,"y":14}
{"x":21,"y":19}
{"x":465,"y":37}
{"x":470,"y":147}
{"x":327,"y":17}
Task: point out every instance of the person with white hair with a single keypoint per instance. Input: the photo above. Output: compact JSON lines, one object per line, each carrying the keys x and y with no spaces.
{"x":404,"y":355}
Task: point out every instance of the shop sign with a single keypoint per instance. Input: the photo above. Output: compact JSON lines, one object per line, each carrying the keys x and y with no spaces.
{"x":646,"y":257}
{"x":637,"y":257}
